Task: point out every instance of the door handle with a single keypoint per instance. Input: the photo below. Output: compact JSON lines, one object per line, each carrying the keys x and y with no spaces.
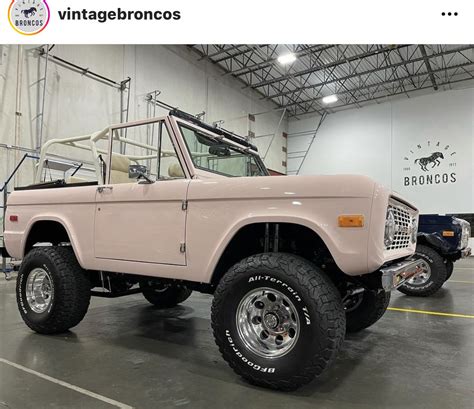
{"x":101,"y":189}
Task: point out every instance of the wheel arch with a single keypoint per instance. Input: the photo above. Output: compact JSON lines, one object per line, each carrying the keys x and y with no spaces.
{"x":49,"y":229}
{"x":246,"y":240}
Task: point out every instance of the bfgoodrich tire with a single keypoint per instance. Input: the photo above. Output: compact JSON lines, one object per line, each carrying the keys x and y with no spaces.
{"x":431,"y":279}
{"x":164,"y":296}
{"x":53,"y":291}
{"x":278,"y":320}
{"x":366,"y":309}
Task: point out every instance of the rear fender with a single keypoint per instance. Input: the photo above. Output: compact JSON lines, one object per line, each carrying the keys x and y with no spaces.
{"x":70,"y":232}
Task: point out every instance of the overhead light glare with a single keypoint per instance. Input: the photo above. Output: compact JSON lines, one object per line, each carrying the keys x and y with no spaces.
{"x":286,"y":59}
{"x":330,"y":99}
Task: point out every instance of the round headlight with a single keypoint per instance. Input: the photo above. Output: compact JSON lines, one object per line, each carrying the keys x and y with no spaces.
{"x":466,"y":233}
{"x":414,"y":229}
{"x":390,"y":228}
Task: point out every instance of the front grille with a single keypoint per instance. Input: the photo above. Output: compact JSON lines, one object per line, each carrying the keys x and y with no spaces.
{"x":403,"y":224}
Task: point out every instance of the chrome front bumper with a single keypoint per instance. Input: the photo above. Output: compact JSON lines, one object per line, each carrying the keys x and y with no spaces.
{"x":395,"y":275}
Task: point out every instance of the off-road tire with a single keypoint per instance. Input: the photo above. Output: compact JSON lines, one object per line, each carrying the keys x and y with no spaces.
{"x":438,"y":273}
{"x":166,"y":297}
{"x":318,"y":306}
{"x":449,"y":269}
{"x":71,"y":290}
{"x":371,"y":308}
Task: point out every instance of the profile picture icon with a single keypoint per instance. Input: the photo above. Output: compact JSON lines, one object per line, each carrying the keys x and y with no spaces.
{"x":28,"y":17}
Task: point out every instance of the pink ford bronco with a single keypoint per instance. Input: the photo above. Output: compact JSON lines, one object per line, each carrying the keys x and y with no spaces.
{"x":170,"y":205}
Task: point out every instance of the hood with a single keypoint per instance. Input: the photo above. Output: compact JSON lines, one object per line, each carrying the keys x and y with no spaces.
{"x":435,"y":219}
{"x":320,"y":186}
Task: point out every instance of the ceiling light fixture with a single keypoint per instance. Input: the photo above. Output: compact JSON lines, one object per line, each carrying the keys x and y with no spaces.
{"x":330,"y":99}
{"x":286,"y":58}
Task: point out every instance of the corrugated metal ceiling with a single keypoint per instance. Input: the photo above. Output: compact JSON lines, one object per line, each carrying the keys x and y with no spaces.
{"x":358,"y":74}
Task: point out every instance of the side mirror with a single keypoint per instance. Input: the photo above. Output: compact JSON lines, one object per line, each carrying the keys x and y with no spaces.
{"x":139,"y":172}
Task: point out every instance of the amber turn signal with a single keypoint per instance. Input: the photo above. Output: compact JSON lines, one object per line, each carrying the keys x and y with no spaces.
{"x":351,"y":220}
{"x":448,"y":233}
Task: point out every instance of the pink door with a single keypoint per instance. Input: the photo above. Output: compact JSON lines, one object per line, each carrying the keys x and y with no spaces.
{"x":142,"y":222}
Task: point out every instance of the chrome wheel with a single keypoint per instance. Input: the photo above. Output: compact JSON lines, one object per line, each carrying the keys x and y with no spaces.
{"x":160,"y":288}
{"x":353,"y":302}
{"x":39,"y":290}
{"x":423,"y":277}
{"x":267,"y":322}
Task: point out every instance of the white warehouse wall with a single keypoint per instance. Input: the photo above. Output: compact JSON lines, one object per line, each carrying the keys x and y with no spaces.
{"x":384,"y":141}
{"x":77,"y":105}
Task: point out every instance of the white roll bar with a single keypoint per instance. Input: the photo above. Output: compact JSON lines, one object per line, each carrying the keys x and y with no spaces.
{"x":91,"y":145}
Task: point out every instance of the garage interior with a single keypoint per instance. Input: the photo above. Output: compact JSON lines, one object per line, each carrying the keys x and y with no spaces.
{"x":310,"y":109}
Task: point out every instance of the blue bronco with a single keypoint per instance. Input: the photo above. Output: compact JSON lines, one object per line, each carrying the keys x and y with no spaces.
{"x":441,"y":241}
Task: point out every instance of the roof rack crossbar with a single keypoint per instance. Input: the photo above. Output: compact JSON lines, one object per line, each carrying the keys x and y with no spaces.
{"x":219,"y":131}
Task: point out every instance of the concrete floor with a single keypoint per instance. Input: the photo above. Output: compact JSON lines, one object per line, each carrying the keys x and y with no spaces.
{"x":137,"y":356}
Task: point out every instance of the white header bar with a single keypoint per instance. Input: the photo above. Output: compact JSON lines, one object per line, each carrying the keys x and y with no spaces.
{"x":241,"y":21}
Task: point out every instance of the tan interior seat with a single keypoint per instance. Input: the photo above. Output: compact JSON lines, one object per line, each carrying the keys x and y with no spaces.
{"x":75,"y":179}
{"x":175,"y":171}
{"x":119,"y":169}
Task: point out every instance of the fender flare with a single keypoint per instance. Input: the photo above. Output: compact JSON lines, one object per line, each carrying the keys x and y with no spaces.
{"x":51,"y":218}
{"x":240,"y":224}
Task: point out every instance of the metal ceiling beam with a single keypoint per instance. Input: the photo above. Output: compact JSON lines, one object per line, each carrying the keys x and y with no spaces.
{"x":389,"y":81}
{"x":367,"y":72}
{"x":203,"y":55}
{"x":428,"y":66}
{"x":265,"y":55}
{"x":225,"y":50}
{"x":328,"y":65}
{"x":249,"y":49}
{"x":259,"y":63}
{"x":385,"y":96}
{"x":405,"y":65}
{"x":273,"y":61}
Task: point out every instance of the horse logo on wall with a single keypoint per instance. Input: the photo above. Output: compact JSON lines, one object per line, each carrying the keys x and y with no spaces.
{"x":435,"y":165}
{"x":433,"y":158}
